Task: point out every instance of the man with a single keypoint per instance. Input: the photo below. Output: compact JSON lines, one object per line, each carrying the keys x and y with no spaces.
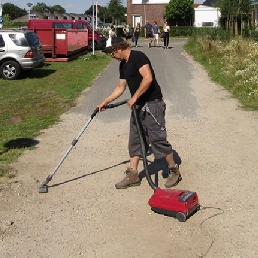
{"x":136,"y":72}
{"x":156,"y":32}
{"x":148,"y":33}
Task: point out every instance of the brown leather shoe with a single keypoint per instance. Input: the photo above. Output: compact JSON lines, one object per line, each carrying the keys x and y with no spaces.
{"x":131,"y":179}
{"x":174,"y":177}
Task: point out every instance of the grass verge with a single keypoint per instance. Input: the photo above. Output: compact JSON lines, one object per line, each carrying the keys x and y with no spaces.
{"x":36,"y":102}
{"x":232,"y":63}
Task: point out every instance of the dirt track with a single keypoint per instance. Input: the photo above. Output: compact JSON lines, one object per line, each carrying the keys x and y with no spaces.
{"x":83,"y":215}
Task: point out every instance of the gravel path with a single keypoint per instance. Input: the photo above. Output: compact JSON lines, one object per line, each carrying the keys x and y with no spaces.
{"x":83,"y":215}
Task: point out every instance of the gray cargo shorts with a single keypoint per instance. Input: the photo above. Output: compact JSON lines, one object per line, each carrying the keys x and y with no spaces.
{"x":155,"y":133}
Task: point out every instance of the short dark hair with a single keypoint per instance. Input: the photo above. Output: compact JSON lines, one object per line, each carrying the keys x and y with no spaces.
{"x":116,"y":44}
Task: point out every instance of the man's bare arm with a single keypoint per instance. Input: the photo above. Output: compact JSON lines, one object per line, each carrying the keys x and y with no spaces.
{"x":117,"y":92}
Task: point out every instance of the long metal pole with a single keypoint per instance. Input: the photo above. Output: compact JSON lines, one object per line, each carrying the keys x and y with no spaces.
{"x":93,"y":31}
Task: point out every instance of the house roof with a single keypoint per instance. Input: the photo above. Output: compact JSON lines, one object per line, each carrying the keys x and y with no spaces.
{"x":206,"y":8}
{"x":210,"y":2}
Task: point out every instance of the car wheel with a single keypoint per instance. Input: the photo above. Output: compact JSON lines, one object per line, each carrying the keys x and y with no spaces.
{"x":95,"y":45}
{"x":10,"y":70}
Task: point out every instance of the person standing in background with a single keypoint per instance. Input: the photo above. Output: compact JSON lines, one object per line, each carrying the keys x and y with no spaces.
{"x":148,"y":33}
{"x":128,"y":34}
{"x":111,"y":33}
{"x":156,"y":32}
{"x":166,"y":30}
{"x":137,"y":31}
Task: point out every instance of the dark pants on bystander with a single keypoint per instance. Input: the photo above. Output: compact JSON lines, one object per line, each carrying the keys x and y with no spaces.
{"x":166,"y":39}
{"x":136,"y":37}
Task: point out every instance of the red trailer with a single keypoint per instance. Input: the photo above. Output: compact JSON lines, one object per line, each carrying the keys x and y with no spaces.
{"x":62,"y":45}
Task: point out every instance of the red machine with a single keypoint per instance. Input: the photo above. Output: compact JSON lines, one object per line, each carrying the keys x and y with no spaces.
{"x":176,"y":203}
{"x":171,"y":202}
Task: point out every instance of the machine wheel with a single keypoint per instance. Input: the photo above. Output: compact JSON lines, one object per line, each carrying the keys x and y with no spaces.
{"x":181,"y":217}
{"x":10,"y":70}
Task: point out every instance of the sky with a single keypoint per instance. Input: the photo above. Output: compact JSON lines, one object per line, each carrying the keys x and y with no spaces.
{"x":71,"y":6}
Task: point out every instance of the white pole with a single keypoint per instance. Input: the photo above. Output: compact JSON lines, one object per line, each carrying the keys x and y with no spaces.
{"x":96,"y":13}
{"x":1,"y":13}
{"x":93,"y":45}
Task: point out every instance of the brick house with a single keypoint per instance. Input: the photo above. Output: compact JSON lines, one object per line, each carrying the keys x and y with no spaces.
{"x":145,"y":10}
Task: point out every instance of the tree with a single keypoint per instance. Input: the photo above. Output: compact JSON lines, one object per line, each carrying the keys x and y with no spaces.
{"x":43,"y":8}
{"x":235,"y":14}
{"x":116,"y":11}
{"x":109,"y":14}
{"x":40,"y":7}
{"x":13,"y":11}
{"x":57,"y":9}
{"x":180,"y":12}
{"x":102,"y":13}
{"x":7,"y":21}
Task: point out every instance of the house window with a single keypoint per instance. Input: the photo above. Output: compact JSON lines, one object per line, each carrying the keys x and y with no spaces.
{"x":207,"y":24}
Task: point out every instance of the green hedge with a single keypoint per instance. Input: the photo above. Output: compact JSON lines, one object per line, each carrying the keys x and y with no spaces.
{"x":181,"y":31}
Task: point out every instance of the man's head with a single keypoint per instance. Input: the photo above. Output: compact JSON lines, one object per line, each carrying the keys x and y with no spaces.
{"x":117,"y":45}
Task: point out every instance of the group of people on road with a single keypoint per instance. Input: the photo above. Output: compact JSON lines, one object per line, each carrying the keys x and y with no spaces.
{"x":151,"y":32}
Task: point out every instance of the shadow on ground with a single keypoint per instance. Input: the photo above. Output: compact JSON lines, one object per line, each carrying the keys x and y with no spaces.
{"x":19,"y":143}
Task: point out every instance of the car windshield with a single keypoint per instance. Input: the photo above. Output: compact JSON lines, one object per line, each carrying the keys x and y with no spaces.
{"x":32,"y":38}
{"x":88,"y":24}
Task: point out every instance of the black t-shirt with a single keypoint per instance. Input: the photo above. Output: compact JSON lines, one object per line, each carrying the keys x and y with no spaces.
{"x":130,"y":72}
{"x":148,"y":28}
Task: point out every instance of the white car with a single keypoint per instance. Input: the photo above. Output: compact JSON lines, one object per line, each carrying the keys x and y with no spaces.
{"x":19,"y":51}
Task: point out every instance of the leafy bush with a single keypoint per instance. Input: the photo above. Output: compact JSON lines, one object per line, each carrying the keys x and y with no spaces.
{"x":181,"y":31}
{"x":232,"y":63}
{"x":254,"y":33}
{"x":213,"y":33}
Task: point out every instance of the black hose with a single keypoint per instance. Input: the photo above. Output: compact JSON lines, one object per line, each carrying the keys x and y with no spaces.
{"x":145,"y":164}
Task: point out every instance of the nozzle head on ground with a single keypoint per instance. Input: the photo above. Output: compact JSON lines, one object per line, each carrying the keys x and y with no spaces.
{"x":43,"y":188}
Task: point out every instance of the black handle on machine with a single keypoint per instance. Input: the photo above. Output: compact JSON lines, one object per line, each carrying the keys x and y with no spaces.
{"x":144,"y":154}
{"x":109,"y":106}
